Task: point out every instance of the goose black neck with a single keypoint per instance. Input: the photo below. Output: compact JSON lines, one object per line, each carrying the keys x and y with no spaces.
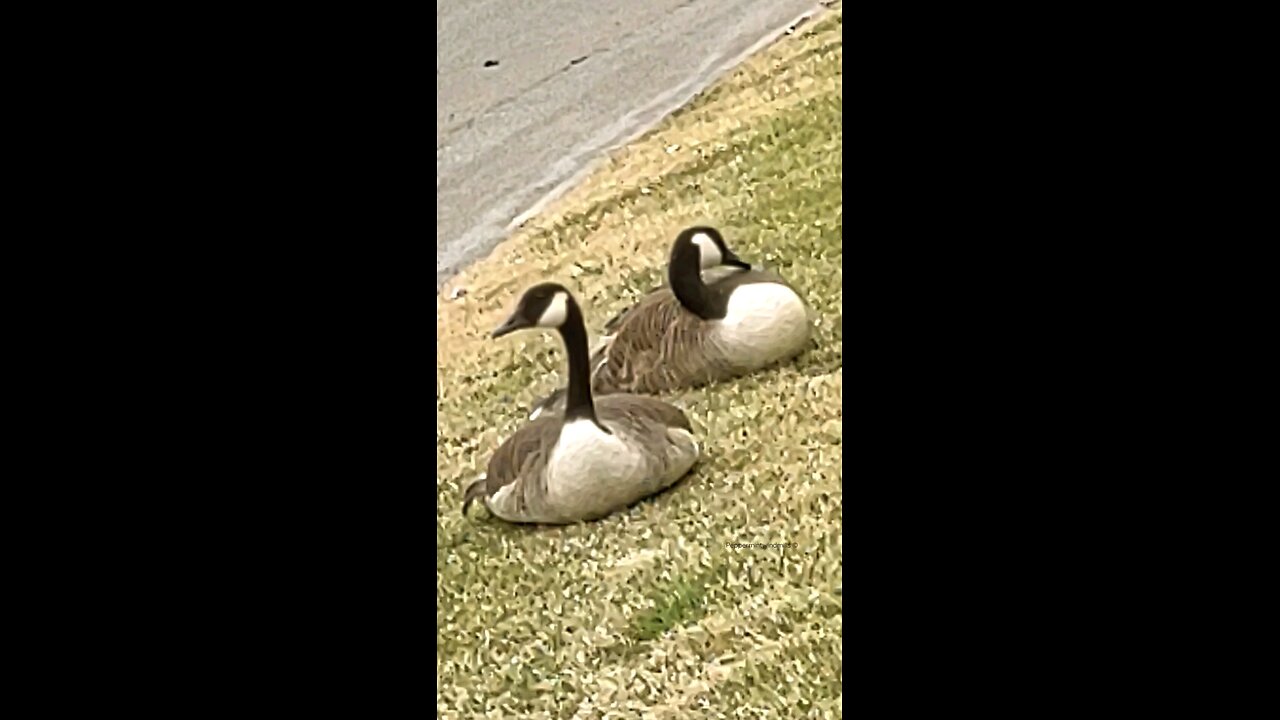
{"x":578,"y":404}
{"x":685,"y":277}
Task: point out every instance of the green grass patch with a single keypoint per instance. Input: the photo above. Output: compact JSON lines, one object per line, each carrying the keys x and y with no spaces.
{"x":679,"y":603}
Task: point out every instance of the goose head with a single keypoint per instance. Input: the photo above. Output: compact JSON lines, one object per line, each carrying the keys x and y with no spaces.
{"x":542,"y":306}
{"x":710,"y":247}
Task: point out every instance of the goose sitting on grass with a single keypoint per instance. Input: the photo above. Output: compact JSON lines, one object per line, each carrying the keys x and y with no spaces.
{"x":599,"y":456}
{"x":705,"y":327}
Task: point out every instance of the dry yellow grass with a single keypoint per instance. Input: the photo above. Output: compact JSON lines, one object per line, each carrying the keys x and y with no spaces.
{"x":650,"y":612}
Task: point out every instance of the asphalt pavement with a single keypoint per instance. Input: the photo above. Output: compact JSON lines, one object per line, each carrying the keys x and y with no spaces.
{"x":528,"y":93}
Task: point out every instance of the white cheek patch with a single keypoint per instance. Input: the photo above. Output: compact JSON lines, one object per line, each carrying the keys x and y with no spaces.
{"x":708,"y":250}
{"x":556,"y":312}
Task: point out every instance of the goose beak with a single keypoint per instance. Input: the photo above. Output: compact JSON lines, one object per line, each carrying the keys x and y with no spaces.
{"x":513,"y":323}
{"x":734,"y":261}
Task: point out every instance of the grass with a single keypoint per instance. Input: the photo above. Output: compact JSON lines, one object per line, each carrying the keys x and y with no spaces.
{"x":650,"y":612}
{"x":675,"y":604}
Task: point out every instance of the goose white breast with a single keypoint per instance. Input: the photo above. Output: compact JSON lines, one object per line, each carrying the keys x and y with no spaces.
{"x":763,"y":321}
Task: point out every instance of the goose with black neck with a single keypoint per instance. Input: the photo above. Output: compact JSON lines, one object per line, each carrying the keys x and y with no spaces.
{"x":697,"y":331}
{"x":602,"y":455}
{"x":716,"y":262}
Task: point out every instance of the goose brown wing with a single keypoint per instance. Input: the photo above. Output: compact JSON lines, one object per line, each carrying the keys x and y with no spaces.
{"x":711,"y":276}
{"x":522,"y":457}
{"x":641,"y":410}
{"x":658,"y":346}
{"x":616,"y":320}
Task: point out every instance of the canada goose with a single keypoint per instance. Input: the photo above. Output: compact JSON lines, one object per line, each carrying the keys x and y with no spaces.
{"x":695,"y":332}
{"x":600,"y":456}
{"x":717,"y":263}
